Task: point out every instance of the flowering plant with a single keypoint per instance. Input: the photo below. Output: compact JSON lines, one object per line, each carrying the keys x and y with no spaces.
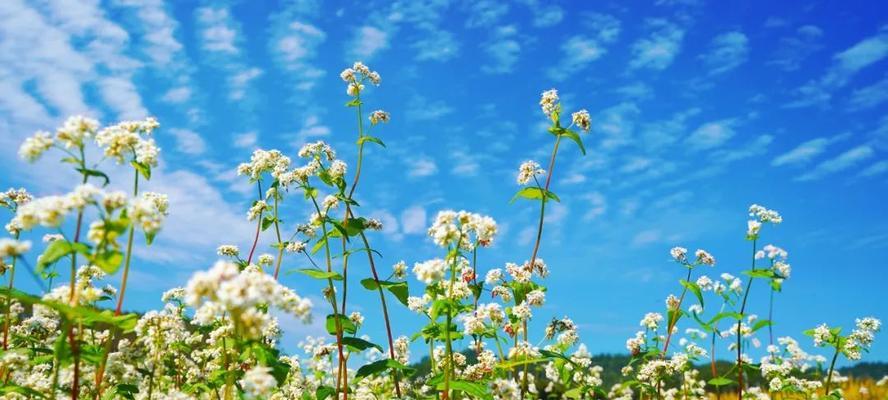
{"x":217,"y":337}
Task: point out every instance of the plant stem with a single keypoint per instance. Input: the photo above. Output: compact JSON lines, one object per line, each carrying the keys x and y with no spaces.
{"x":258,"y":225}
{"x":448,"y":371}
{"x":539,"y":237}
{"x":129,"y":252}
{"x":771,"y":318}
{"x":739,"y":325}
{"x":6,"y":321}
{"x":674,"y":319}
{"x":72,"y":297}
{"x":832,"y":366}
{"x":277,"y":232}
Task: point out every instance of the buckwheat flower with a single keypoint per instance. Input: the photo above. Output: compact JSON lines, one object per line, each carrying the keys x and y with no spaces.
{"x":149,"y":210}
{"x":337,"y":169}
{"x":522,"y":311}
{"x":52,"y":237}
{"x":258,"y":383}
{"x":295,"y":247}
{"x":703,"y":257}
{"x":774,"y":252}
{"x":549,"y":102}
{"x":417,"y":304}
{"x":501,"y":292}
{"x":528,"y":170}
{"x":175,"y":294}
{"x":582,"y":119}
{"x":356,"y":318}
{"x":379,"y":116}
{"x":822,"y":335}
{"x":753,"y":228}
{"x":13,"y":248}
{"x":316,"y":150}
{"x":679,"y":254}
{"x":75,"y":129}
{"x":374,"y":78}
{"x":536,"y":298}
{"x":347,"y":75}
{"x":13,"y":198}
{"x":373,"y":224}
{"x":783,"y":269}
{"x":228,"y":250}
{"x":672,"y":302}
{"x":354,"y":89}
{"x":493,"y":276}
{"x":360,"y":68}
{"x":402,"y":349}
{"x":34,"y":146}
{"x":651,"y":320}
{"x":113,"y":200}
{"x":47,"y":211}
{"x":705,"y":283}
{"x":400,"y":270}
{"x":265,"y":259}
{"x":147,"y":152}
{"x":695,"y":309}
{"x":330,"y":202}
{"x":765,"y":215}
{"x":868,"y":324}
{"x":430,"y":271}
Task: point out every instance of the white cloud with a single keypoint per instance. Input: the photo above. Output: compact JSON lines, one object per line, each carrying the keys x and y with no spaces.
{"x":646,"y":237}
{"x":755,"y":147}
{"x":240,"y":81}
{"x":246,"y":140}
{"x":548,"y":15}
{"x":464,"y":164}
{"x":122,"y":96}
{"x":726,"y":52}
{"x":503,"y":49}
{"x":217,"y":35}
{"x":597,"y":206}
{"x":793,"y":50}
{"x":577,"y":53}
{"x":436,"y":45}
{"x":420,"y":167}
{"x":367,"y":42}
{"x":657,"y":50}
{"x":177,"y":95}
{"x":295,"y":45}
{"x":188,"y":141}
{"x":421,"y":108}
{"x":311,"y":128}
{"x":413,"y":220}
{"x":389,"y":224}
{"x":841,"y":162}
{"x":711,"y":134}
{"x":485,"y":12}
{"x":845,"y":66}
{"x":869,"y":96}
{"x":879,"y":168}
{"x":806,"y":151}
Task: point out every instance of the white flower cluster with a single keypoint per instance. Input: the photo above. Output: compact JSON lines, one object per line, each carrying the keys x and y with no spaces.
{"x":130,"y":138}
{"x":528,"y":171}
{"x":14,"y":198}
{"x":265,"y":161}
{"x":462,"y":229}
{"x":225,"y":289}
{"x":356,"y":76}
{"x":149,"y":210}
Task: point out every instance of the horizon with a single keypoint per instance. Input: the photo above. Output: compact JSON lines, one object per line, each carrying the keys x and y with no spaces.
{"x":697,"y":113}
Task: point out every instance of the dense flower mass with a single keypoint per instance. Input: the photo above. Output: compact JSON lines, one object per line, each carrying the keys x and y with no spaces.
{"x":486,"y":333}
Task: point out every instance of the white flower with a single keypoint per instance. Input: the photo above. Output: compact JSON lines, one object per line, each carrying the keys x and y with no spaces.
{"x":258,"y":383}
{"x":549,"y":102}
{"x":582,"y":119}
{"x":13,"y":248}
{"x":379,"y":116}
{"x":651,"y":320}
{"x":679,"y":254}
{"x":356,"y":318}
{"x":528,"y":171}
{"x":295,"y":247}
{"x":703,"y":257}
{"x":430,"y":271}
{"x":753,"y":227}
{"x":34,"y":146}
{"x":75,"y":130}
{"x":228,"y":250}
{"x":400,"y":269}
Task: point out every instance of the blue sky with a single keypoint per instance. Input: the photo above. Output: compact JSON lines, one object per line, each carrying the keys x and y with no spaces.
{"x":699,"y":109}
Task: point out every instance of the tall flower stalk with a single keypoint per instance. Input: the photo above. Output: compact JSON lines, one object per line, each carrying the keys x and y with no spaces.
{"x":551,"y":107}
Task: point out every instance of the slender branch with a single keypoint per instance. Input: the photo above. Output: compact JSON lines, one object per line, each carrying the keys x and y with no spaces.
{"x":258,"y":225}
{"x":739,"y":325}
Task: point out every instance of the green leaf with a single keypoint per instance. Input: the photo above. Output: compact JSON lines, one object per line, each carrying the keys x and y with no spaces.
{"x":347,"y":325}
{"x":318,"y":274}
{"x":726,"y":314}
{"x":372,"y":139}
{"x":353,"y":103}
{"x":694,"y":288}
{"x":399,"y":289}
{"x":720,"y":381}
{"x":359,"y":344}
{"x":95,"y":173}
{"x":324,"y":392}
{"x":380,"y":366}
{"x":575,"y":137}
{"x":760,"y":273}
{"x":58,"y":249}
{"x":534,"y":193}
{"x":267,"y":221}
{"x":761,"y":324}
{"x":149,"y":237}
{"x":476,"y":390}
{"x":142,"y":168}
{"x":108,"y":260}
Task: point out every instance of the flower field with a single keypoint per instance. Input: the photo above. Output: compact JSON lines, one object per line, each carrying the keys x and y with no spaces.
{"x":218,"y":336}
